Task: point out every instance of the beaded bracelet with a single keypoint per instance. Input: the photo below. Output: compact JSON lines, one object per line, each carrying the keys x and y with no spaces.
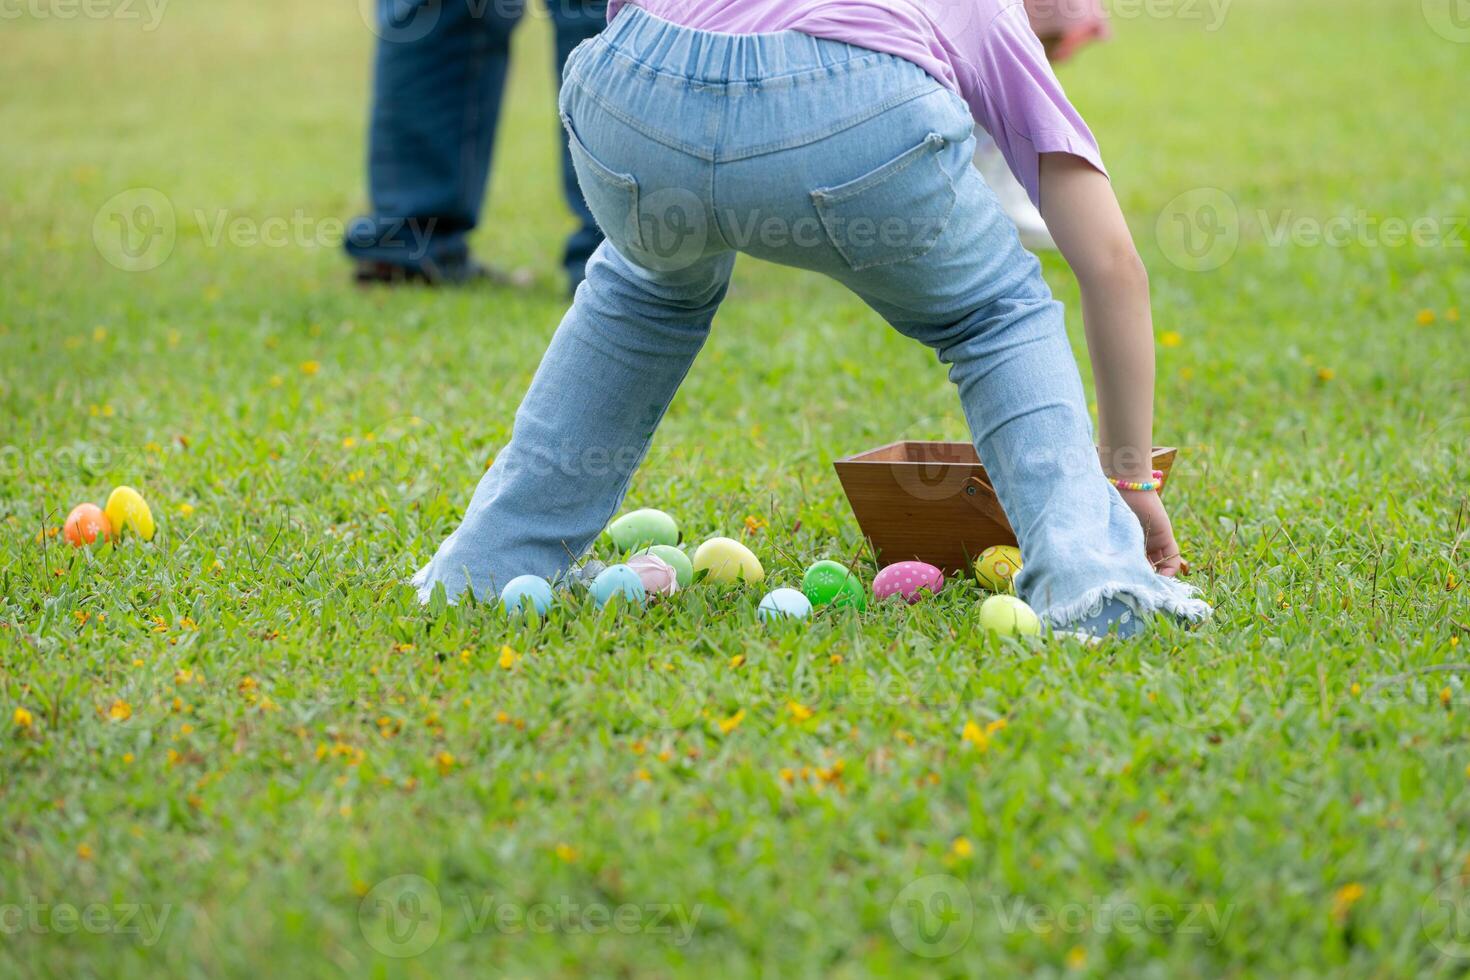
{"x":1155,"y":483}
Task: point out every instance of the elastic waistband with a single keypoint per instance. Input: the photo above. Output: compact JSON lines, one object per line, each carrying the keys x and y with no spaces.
{"x":721,"y":59}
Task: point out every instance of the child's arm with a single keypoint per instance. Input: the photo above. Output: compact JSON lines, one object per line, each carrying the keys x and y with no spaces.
{"x":1084,"y":217}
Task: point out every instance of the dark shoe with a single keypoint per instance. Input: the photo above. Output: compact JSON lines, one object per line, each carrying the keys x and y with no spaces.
{"x":374,"y":272}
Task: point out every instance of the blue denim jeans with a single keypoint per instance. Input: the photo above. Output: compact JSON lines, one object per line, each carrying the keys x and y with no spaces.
{"x":693,"y":147}
{"x":439,"y":76}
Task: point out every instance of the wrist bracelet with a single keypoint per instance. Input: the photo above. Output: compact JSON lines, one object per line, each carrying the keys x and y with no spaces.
{"x":1155,"y":483}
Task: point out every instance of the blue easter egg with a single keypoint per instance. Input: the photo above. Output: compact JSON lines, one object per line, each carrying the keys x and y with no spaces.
{"x":617,"y":580}
{"x":526,"y":589}
{"x":784,"y":603}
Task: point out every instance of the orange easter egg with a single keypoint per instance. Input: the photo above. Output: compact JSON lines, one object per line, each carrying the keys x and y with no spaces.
{"x":85,"y":524}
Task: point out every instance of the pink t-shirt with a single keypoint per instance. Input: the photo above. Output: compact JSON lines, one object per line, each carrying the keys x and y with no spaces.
{"x":983,"y":49}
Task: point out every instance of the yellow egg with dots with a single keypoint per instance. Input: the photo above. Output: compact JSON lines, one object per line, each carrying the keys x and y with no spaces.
{"x":126,"y":509}
{"x":727,"y":561}
{"x":997,"y":566}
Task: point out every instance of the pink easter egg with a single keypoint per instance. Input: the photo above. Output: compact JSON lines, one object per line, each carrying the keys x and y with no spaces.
{"x":910,"y":579}
{"x":658,"y":576}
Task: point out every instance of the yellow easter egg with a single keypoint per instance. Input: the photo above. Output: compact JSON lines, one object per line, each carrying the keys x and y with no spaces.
{"x":727,"y":560}
{"x":997,"y":566}
{"x":126,"y":508}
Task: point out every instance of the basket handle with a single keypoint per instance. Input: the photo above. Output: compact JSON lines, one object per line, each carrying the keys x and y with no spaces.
{"x":981,"y":496}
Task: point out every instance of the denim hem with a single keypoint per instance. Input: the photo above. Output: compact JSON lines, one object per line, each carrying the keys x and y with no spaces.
{"x":1177,"y":599}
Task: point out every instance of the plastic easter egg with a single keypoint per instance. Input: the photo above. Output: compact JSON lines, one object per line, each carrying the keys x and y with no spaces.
{"x":830,"y":581}
{"x":675,"y":557}
{"x":642,"y":528}
{"x":85,"y":524}
{"x":784,"y":604}
{"x":126,"y":509}
{"x":658,"y":576}
{"x":526,"y":590}
{"x":617,"y":581}
{"x":912,"y":580}
{"x":997,"y":566}
{"x":727,"y":560}
{"x":1009,"y":616}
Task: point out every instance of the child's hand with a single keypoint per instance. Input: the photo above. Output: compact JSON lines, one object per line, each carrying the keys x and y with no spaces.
{"x":1158,"y":533}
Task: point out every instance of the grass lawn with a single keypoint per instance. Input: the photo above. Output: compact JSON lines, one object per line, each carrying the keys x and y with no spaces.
{"x":229,"y":752}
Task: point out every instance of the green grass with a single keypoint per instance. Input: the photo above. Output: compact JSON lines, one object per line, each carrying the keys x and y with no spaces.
{"x":1281,"y":792}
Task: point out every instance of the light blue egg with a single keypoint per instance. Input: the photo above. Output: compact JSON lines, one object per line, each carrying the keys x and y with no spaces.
{"x":526,"y":589}
{"x":617,"y":580}
{"x":784,"y":603}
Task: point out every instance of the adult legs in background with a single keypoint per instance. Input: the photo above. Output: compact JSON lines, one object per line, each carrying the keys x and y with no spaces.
{"x":585,"y":424}
{"x":576,"y":21}
{"x":439,"y":78}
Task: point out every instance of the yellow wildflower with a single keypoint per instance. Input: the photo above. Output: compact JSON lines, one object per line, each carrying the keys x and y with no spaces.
{"x":508,"y":658}
{"x":962,"y":848}
{"x":23,"y":718}
{"x":1424,"y":317}
{"x":799,"y":711}
{"x":737,"y":660}
{"x":728,"y":725}
{"x":1076,"y":958}
{"x":975,"y":735}
{"x":566,"y":852}
{"x":1171,"y":338}
{"x":310,"y":368}
{"x":120,"y":710}
{"x":1345,"y":898}
{"x":84,"y":851}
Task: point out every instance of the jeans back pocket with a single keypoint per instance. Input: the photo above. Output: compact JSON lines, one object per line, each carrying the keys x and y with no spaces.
{"x":893,"y":214}
{"x":612,"y":197}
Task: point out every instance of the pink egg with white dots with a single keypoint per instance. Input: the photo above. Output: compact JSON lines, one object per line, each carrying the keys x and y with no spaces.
{"x":909,"y":579}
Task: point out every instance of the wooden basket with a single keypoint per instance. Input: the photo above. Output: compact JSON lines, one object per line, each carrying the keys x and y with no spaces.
{"x":931,"y":501}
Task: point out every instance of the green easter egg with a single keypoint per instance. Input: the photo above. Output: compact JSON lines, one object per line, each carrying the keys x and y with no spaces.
{"x":641,"y":528}
{"x":830,"y":581}
{"x":1009,"y":616}
{"x":683,"y":567}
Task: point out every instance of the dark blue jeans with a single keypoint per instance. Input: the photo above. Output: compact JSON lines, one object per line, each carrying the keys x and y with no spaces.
{"x":439,"y":76}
